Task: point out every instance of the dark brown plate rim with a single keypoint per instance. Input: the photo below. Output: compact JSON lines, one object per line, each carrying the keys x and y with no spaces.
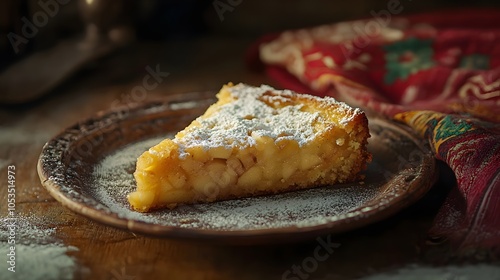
{"x":417,"y":186}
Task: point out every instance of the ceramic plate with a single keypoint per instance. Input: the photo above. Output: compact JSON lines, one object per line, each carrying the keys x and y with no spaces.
{"x":89,"y":166}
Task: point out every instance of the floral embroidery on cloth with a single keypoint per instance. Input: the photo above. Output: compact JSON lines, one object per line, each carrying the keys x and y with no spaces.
{"x":407,"y":57}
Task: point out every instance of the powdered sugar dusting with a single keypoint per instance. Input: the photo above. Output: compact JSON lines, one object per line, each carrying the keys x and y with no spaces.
{"x":113,"y":179}
{"x":450,"y":272}
{"x":38,"y":253}
{"x":259,"y":111}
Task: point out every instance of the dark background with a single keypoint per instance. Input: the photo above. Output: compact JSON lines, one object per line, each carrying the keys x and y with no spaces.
{"x":181,"y":19}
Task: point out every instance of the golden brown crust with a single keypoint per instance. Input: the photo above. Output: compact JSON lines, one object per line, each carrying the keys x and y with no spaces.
{"x":313,"y":142}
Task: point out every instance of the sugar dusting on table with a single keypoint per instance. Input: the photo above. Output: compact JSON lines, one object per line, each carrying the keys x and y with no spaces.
{"x":39,"y":254}
{"x":113,"y":180}
{"x":450,"y":272}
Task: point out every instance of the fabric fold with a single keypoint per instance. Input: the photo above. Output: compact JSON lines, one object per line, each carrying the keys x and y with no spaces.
{"x":437,"y":72}
{"x":469,"y":218}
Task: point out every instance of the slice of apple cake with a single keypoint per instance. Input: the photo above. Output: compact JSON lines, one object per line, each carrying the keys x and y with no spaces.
{"x":254,"y":141}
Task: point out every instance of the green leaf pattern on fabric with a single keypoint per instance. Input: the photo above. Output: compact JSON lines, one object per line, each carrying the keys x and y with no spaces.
{"x":450,"y":127}
{"x":407,"y":57}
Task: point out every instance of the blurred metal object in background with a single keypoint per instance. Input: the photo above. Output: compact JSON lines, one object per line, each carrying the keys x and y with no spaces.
{"x":109,"y":24}
{"x":113,"y":20}
{"x":44,"y":42}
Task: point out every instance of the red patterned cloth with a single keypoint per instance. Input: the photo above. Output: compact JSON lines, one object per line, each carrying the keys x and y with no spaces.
{"x":470,"y":217}
{"x":447,"y":62}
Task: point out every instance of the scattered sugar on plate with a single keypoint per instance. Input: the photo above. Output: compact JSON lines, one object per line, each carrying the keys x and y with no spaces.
{"x":113,"y":180}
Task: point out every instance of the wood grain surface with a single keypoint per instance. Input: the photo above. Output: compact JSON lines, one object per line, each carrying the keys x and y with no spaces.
{"x":89,"y":250}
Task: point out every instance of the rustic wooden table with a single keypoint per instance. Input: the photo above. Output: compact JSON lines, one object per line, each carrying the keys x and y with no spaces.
{"x":55,"y":243}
